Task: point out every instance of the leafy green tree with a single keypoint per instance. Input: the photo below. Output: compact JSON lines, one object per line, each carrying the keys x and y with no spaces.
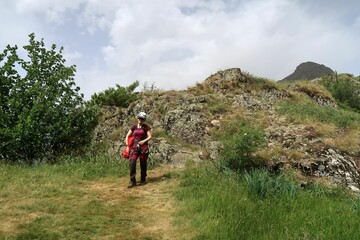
{"x":119,"y":96}
{"x":42,"y":113}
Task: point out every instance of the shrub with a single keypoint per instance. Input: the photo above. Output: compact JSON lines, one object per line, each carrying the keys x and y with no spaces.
{"x":240,"y":140}
{"x":42,"y":113}
{"x":119,"y":96}
{"x":345,"y":89}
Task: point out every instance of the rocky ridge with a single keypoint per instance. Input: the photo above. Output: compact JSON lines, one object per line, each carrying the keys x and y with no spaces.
{"x":182,"y":122}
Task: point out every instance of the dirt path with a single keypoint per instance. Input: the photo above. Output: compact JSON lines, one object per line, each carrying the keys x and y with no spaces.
{"x":149,"y":207}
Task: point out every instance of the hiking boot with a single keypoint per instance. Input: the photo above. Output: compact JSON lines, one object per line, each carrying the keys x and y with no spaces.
{"x":143,"y":181}
{"x":131,"y":184}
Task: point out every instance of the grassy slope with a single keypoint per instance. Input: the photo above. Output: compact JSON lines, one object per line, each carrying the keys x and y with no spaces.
{"x":54,"y":202}
{"x":87,"y":199}
{"x":84,"y":200}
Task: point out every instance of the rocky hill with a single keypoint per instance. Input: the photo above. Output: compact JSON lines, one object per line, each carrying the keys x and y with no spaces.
{"x":308,"y":71}
{"x":183,"y":121}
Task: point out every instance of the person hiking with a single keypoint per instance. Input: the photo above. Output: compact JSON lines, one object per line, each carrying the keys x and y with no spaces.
{"x":138,"y":148}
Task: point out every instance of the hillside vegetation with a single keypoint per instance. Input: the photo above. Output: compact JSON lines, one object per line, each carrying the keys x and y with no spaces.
{"x":274,"y":160}
{"x":252,"y":158}
{"x":246,"y":122}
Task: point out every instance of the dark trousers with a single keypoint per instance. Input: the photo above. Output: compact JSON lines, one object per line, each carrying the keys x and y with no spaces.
{"x":143,"y":167}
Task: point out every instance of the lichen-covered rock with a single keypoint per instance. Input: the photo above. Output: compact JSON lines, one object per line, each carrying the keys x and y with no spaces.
{"x":213,"y":149}
{"x":187,"y":123}
{"x":250,"y":102}
{"x":224,"y":81}
{"x":162,"y":150}
{"x":108,"y":122}
{"x":341,"y":169}
{"x":166,"y":152}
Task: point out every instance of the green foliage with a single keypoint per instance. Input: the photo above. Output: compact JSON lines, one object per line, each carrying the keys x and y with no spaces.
{"x":42,"y":112}
{"x":119,"y":96}
{"x":345,"y":89}
{"x":240,"y":140}
{"x":302,"y":110}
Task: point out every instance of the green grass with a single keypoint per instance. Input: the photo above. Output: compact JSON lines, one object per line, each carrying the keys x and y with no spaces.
{"x":57,"y":202}
{"x":223,"y":206}
{"x":302,"y":110}
{"x":53,"y":201}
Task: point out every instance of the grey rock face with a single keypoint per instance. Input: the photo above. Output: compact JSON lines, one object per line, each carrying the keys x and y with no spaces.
{"x":341,"y":169}
{"x":186,"y":123}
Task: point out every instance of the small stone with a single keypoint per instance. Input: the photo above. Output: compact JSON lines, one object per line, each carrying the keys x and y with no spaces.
{"x":215,"y":123}
{"x":354,"y":189}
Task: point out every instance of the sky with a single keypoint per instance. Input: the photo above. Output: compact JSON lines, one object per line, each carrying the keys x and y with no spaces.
{"x":175,"y":44}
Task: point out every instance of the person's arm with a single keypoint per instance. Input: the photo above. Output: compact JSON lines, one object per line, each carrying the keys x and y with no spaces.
{"x":149,"y":136}
{"x":127,"y":138}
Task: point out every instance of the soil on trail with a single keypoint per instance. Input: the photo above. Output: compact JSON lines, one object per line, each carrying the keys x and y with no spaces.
{"x":150,"y":207}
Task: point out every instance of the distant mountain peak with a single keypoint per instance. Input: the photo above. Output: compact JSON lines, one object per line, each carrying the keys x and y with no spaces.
{"x":307,"y":71}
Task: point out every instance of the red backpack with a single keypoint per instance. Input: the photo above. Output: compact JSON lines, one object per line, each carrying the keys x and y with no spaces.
{"x":125,"y":153}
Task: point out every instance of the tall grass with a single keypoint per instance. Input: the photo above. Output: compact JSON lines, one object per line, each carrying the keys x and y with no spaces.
{"x":228,"y":206}
{"x":261,"y":184}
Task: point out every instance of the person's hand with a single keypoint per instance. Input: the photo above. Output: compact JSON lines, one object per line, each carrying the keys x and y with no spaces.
{"x":127,"y":148}
{"x":141,"y":142}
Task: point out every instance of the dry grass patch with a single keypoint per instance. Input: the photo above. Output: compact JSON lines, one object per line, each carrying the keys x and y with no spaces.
{"x":322,"y":129}
{"x":312,"y":89}
{"x":261,"y":118}
{"x":150,"y":207}
{"x":347,"y":141}
{"x":277,"y":153}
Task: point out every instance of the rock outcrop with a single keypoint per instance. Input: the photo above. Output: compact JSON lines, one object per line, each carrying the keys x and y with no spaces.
{"x":182,"y":122}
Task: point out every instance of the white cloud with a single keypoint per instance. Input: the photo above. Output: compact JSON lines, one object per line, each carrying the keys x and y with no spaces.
{"x":176,"y":43}
{"x":72,"y":56}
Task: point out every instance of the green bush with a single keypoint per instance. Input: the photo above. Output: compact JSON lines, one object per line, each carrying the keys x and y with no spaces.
{"x":345,"y":89}
{"x":119,"y":96}
{"x":240,"y":140}
{"x":42,"y":113}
